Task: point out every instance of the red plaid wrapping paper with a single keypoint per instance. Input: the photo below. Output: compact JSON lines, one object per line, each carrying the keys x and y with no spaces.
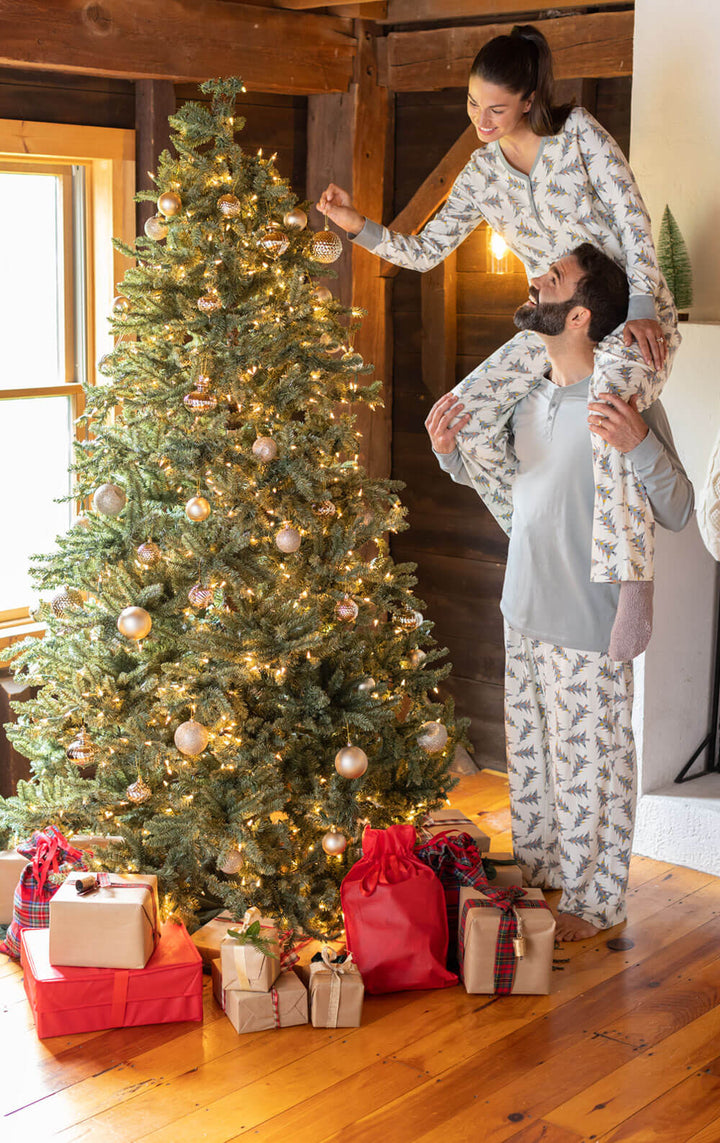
{"x":509,"y":899}
{"x":48,"y":852}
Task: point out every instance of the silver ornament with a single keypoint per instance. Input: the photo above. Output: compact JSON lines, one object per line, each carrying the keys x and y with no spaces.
{"x":346,"y":610}
{"x":334,"y":843}
{"x":169,"y":203}
{"x":191,"y":737}
{"x":274,"y":241}
{"x":322,"y":294}
{"x":134,"y":622}
{"x":156,"y":228}
{"x":265,"y":449}
{"x":197,"y":508}
{"x":288,"y":539}
{"x":81,"y":750}
{"x":200,"y":595}
{"x":351,"y":762}
{"x":366,"y":685}
{"x":148,"y":553}
{"x":139,"y":791}
{"x":433,"y":737}
{"x":295,"y":219}
{"x":325,"y":247}
{"x":229,"y":205}
{"x":109,"y":499}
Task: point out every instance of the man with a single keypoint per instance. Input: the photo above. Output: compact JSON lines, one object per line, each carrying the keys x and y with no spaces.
{"x":568,"y":705}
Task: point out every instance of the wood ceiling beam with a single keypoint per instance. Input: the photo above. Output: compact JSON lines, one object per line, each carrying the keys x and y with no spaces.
{"x":414,"y":11}
{"x":272,"y":50}
{"x":598,"y":45}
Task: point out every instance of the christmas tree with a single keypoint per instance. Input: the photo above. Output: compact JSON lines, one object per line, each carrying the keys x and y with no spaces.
{"x":674,"y":261}
{"x":235,"y":675}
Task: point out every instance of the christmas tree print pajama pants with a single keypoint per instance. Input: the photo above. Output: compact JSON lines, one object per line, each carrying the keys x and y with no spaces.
{"x":571,"y":766}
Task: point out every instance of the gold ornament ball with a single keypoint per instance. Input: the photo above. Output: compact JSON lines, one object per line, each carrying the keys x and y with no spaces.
{"x":265,"y":449}
{"x":156,"y":228}
{"x":295,"y":219}
{"x":324,"y":509}
{"x":288,"y":539}
{"x":148,"y":553}
{"x":322,"y":294}
{"x":367,"y":684}
{"x":274,"y":241}
{"x":121,"y":304}
{"x":334,"y":843}
{"x":109,"y":499}
{"x":169,"y":203}
{"x":417,"y":657}
{"x":62,"y":602}
{"x":197,"y":509}
{"x":209,"y":302}
{"x":351,"y":762}
{"x":232,"y":862}
{"x":229,"y":205}
{"x":191,"y":737}
{"x":433,"y":737}
{"x":346,"y":610}
{"x":325,"y":247}
{"x":200,"y":595}
{"x":81,"y":750}
{"x":82,"y":522}
{"x":134,"y":622}
{"x":139,"y":791}
{"x":407,"y":619}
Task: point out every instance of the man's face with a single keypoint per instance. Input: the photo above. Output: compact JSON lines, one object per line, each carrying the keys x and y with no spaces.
{"x":551,"y":298}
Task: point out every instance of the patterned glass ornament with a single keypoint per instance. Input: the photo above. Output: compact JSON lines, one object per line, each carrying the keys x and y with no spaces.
{"x":324,"y":509}
{"x":210,"y":302}
{"x":63,"y":602}
{"x":326,"y":246}
{"x":139,"y":791}
{"x":169,"y":203}
{"x":229,"y":205}
{"x":81,"y":750}
{"x":408,"y":619}
{"x":346,"y":610}
{"x":148,"y":553}
{"x":200,"y":595}
{"x":366,"y":685}
{"x":200,"y":399}
{"x":274,"y":241}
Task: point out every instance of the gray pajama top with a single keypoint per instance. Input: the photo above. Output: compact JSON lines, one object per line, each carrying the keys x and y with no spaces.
{"x":547,"y":593}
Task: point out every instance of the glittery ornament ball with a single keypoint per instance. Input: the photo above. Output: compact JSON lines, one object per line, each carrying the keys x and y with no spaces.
{"x":121,"y":304}
{"x":324,"y":509}
{"x":209,"y":303}
{"x":295,"y":219}
{"x":334,"y":843}
{"x":191,"y":737}
{"x":346,"y":610}
{"x":200,"y":595}
{"x":433,"y":737}
{"x":351,"y":762}
{"x":274,"y":242}
{"x":156,"y":228}
{"x":231,"y":862}
{"x":288,"y":539}
{"x":109,"y":499}
{"x":265,"y":449}
{"x":81,"y":750}
{"x":139,"y":791}
{"x":134,"y":623}
{"x":148,"y":553}
{"x":197,"y":509}
{"x":229,"y":205}
{"x":62,"y":602}
{"x":325,"y":247}
{"x":322,"y":294}
{"x":169,"y":203}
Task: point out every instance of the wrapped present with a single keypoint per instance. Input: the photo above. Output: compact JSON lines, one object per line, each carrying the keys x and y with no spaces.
{"x":456,"y":861}
{"x":250,"y":954}
{"x":500,"y":869}
{"x":66,"y":1000}
{"x":106,"y":920}
{"x":209,"y":937}
{"x":336,"y":991}
{"x":452,"y":821}
{"x":50,"y":857}
{"x":285,"y":1004}
{"x":12,"y":865}
{"x":506,"y":941}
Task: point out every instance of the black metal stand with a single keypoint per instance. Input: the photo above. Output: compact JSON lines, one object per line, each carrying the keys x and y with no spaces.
{"x":711,"y":741}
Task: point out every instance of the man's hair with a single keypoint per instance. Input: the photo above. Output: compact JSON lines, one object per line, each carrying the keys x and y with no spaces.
{"x":603,"y":290}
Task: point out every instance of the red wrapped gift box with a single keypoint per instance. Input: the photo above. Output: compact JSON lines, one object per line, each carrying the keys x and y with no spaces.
{"x":66,"y":1000}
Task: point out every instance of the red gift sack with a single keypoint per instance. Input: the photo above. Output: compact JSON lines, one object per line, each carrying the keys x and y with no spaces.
{"x":395,"y":918}
{"x":50,"y":858}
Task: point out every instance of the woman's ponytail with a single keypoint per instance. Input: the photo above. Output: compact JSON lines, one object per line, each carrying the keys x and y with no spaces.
{"x":522,"y":63}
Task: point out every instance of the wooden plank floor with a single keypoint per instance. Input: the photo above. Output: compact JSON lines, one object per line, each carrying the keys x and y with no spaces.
{"x":626,"y":1049}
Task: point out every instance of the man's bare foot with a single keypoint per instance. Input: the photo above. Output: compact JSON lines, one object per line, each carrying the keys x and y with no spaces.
{"x":572,"y":928}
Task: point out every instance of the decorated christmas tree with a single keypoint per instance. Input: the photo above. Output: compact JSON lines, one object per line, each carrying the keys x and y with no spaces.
{"x":235,"y":675}
{"x":674,"y":261}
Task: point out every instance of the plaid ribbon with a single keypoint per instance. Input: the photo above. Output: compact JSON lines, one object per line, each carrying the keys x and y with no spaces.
{"x":455,"y":859}
{"x":49,"y":853}
{"x":508,"y":900}
{"x":275,"y":1007}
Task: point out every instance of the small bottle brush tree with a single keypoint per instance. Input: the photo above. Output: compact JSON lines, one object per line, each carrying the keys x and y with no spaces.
{"x":227,"y":617}
{"x":674,"y":261}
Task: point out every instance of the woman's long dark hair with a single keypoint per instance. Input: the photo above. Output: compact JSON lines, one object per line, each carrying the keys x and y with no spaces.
{"x":522,"y":63}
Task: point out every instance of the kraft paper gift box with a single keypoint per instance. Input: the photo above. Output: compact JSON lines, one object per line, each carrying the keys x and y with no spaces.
{"x":12,"y":864}
{"x":506,"y":873}
{"x":207,"y":940}
{"x":245,"y":967}
{"x":115,"y":926}
{"x":451,"y":821}
{"x":284,"y":1005}
{"x":336,"y":992}
{"x":488,"y":966}
{"x":67,"y":1000}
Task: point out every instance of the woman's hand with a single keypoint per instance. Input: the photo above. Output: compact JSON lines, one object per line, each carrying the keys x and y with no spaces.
{"x":337,"y":205}
{"x":649,"y":335}
{"x":441,"y":432}
{"x":617,"y":422}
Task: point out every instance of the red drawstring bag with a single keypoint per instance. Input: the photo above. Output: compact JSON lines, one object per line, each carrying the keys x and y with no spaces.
{"x":395,"y":918}
{"x":50,"y":858}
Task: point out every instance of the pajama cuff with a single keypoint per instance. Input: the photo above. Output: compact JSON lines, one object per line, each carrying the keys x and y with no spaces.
{"x":641,"y":306}
{"x":370,"y":236}
{"x":644,"y":456}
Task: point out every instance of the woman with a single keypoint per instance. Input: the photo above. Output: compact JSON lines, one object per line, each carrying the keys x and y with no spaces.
{"x":548,"y":178}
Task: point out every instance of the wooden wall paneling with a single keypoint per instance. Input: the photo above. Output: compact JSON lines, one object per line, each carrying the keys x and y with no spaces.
{"x":439,"y":326}
{"x":50,"y":97}
{"x":154,"y":102}
{"x":411,"y":11}
{"x":594,"y":45}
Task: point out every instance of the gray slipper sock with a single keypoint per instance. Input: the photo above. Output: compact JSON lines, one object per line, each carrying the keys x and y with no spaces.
{"x":632,"y":628}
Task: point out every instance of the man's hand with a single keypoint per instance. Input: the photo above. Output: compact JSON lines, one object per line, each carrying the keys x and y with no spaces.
{"x":617,"y":422}
{"x":651,"y":342}
{"x":438,"y":423}
{"x":337,"y":205}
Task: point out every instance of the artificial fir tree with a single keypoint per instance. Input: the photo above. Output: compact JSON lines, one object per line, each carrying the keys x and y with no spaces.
{"x":674,"y":261}
{"x":227,"y":619}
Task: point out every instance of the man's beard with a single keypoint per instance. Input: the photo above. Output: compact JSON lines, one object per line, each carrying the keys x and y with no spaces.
{"x":544,"y":317}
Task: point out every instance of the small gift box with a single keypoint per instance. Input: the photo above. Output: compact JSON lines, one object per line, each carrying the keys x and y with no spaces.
{"x":250,"y":954}
{"x":12,"y":865}
{"x":451,"y":821}
{"x":67,"y":1000}
{"x":506,"y":941}
{"x":336,"y":991}
{"x":207,"y":940}
{"x":104,"y":920}
{"x":500,"y":870}
{"x":284,"y":1005}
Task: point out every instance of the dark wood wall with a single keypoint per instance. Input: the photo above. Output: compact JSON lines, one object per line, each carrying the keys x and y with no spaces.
{"x":459,"y":549}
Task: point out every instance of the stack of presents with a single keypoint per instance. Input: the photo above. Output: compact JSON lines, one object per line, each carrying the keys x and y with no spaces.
{"x":422,"y":909}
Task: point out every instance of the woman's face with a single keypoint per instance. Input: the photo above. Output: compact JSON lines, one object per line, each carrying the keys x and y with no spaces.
{"x":494,"y":111}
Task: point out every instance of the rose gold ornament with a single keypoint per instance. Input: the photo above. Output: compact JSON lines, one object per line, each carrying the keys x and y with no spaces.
{"x":324,"y":509}
{"x":148,"y":553}
{"x":139,"y":791}
{"x":326,"y":246}
{"x":346,"y":610}
{"x":274,"y":241}
{"x":351,"y":762}
{"x":169,"y":203}
{"x":295,"y":219}
{"x":288,"y":539}
{"x":134,"y":623}
{"x":334,"y":843}
{"x":265,"y":449}
{"x":200,"y":595}
{"x":229,"y":205}
{"x":210,"y":302}
{"x":232,"y":862}
{"x":322,"y":294}
{"x":191,"y":737}
{"x":156,"y":228}
{"x":197,"y":509}
{"x":81,"y":750}
{"x":109,"y":499}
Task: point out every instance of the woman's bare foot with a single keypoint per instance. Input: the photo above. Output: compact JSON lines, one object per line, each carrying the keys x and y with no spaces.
{"x":572,"y":928}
